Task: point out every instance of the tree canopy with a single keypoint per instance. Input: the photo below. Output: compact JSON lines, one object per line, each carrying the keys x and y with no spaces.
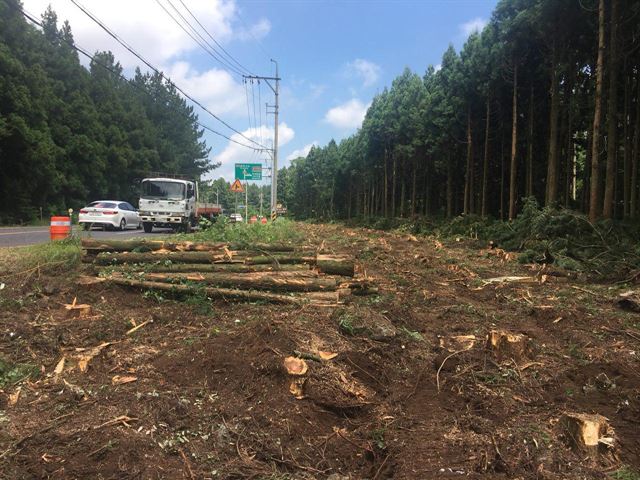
{"x":69,"y":134}
{"x":510,"y":116}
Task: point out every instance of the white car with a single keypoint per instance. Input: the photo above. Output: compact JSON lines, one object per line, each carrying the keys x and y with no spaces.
{"x":109,"y":213}
{"x":236,"y":218}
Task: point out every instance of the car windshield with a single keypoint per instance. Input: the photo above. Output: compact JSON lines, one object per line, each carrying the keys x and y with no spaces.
{"x":162,"y":190}
{"x":102,"y":205}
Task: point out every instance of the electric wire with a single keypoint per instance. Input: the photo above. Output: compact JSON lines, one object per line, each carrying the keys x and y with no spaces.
{"x":81,"y":50}
{"x":203,"y":43}
{"x":158,"y":72}
{"x":231,"y":57}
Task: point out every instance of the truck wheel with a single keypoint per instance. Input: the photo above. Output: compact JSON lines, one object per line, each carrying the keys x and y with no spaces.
{"x":148,"y":227}
{"x":186,"y":227}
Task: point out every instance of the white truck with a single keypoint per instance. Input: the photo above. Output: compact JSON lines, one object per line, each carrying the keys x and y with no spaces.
{"x":172,"y":203}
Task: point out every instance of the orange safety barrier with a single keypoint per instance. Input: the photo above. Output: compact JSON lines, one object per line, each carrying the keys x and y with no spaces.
{"x":263,"y":221}
{"x":60,"y":228}
{"x":253,"y":219}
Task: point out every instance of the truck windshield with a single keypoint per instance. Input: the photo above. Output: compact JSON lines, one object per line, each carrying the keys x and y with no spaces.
{"x":162,"y":190}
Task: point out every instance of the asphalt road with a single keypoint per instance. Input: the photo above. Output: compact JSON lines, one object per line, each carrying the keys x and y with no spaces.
{"x":20,"y":236}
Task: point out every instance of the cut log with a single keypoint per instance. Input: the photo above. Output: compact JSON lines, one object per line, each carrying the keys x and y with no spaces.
{"x":143,"y":245}
{"x":335,"y":265}
{"x":277,"y":282}
{"x":508,"y":345}
{"x":278,"y":259}
{"x":217,"y":293}
{"x":149,"y":257}
{"x":262,"y":247}
{"x":587,"y":433}
{"x":161,"y":267}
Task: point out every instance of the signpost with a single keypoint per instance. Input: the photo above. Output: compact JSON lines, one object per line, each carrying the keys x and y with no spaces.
{"x":247,"y":171}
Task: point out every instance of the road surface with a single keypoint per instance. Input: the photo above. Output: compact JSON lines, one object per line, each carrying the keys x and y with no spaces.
{"x":20,"y":236}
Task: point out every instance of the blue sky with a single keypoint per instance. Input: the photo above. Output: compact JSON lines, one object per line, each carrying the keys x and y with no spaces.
{"x":334,"y":56}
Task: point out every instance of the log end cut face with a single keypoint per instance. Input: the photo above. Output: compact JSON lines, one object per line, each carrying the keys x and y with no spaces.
{"x":587,"y":432}
{"x":508,"y":345}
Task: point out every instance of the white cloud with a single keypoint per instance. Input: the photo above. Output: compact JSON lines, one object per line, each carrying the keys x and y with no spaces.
{"x":302,"y":152}
{"x":214,"y":88}
{"x":474,"y":25}
{"x":368,"y":71}
{"x":234,"y":153}
{"x":146,"y":27}
{"x":255,"y":32}
{"x":348,"y":115}
{"x":438,"y":67}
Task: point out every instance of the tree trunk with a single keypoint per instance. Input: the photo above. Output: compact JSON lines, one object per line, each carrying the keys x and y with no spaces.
{"x":636,"y":158}
{"x":414,"y":185}
{"x":552,"y":161}
{"x":449,"y":186}
{"x":485,"y":166}
{"x":529,"y":188}
{"x":612,"y":115}
{"x":213,"y":267}
{"x":227,"y":293}
{"x":502,"y":171}
{"x":393,"y":185}
{"x":252,"y":281}
{"x":103,"y":245}
{"x":569,"y":156}
{"x":468,"y":180}
{"x":594,"y":194}
{"x":626,"y":171}
{"x":514,"y":141}
{"x":386,"y":184}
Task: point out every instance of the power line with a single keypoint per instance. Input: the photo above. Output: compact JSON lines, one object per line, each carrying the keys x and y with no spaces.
{"x":214,"y":40}
{"x":202,"y":43}
{"x":158,"y":72}
{"x":121,"y":76}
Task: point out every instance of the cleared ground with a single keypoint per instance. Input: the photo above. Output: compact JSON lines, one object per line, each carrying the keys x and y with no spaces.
{"x":200,"y":390}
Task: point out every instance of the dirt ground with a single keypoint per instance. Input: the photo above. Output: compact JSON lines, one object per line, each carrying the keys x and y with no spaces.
{"x":200,"y":391}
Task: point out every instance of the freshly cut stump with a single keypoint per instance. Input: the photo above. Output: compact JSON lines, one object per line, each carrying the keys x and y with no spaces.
{"x":589,"y":433}
{"x":508,"y":345}
{"x":458,"y":343}
{"x":295,"y":366}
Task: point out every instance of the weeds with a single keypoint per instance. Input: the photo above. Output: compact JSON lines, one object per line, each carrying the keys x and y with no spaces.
{"x":280,"y":231}
{"x":52,"y":257}
{"x":11,"y":374}
{"x":625,"y":473}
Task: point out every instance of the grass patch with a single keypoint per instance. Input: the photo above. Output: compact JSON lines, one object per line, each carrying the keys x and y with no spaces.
{"x":51,"y":257}
{"x":280,"y":231}
{"x":14,"y":373}
{"x":625,"y":473}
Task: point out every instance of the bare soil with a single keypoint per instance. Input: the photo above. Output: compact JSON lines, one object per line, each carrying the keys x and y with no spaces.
{"x":211,"y":398}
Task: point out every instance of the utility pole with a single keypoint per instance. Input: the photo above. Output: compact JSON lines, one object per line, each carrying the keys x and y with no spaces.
{"x":217,"y":197}
{"x":276,"y":111}
{"x":261,"y":195}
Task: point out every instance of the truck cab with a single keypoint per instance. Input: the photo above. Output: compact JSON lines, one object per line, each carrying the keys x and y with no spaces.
{"x":168,"y":203}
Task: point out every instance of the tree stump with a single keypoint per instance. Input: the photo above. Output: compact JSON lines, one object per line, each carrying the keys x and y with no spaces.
{"x":588,"y":433}
{"x":508,"y":345}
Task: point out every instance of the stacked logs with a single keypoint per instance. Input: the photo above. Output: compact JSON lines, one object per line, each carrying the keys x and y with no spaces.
{"x":269,"y":272}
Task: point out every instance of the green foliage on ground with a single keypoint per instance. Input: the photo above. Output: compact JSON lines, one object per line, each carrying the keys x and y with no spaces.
{"x":280,"y":231}
{"x":52,"y":257}
{"x":551,"y":234}
{"x":14,"y":373}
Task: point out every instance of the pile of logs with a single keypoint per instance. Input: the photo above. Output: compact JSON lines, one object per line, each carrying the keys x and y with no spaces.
{"x":268,"y":272}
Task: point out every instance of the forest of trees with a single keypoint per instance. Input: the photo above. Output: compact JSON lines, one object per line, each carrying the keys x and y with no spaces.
{"x":69,"y":134}
{"x":544,"y":102}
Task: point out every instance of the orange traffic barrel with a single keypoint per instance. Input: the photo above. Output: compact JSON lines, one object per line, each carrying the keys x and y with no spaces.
{"x":253,"y":219}
{"x":60,"y":228}
{"x":263,"y":221}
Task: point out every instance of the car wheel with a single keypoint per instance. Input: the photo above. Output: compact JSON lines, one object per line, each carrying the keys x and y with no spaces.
{"x":148,"y":227}
{"x":123,"y":224}
{"x":86,"y":226}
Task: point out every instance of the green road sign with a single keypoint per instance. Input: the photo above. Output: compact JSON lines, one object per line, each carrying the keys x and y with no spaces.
{"x":249,"y":171}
